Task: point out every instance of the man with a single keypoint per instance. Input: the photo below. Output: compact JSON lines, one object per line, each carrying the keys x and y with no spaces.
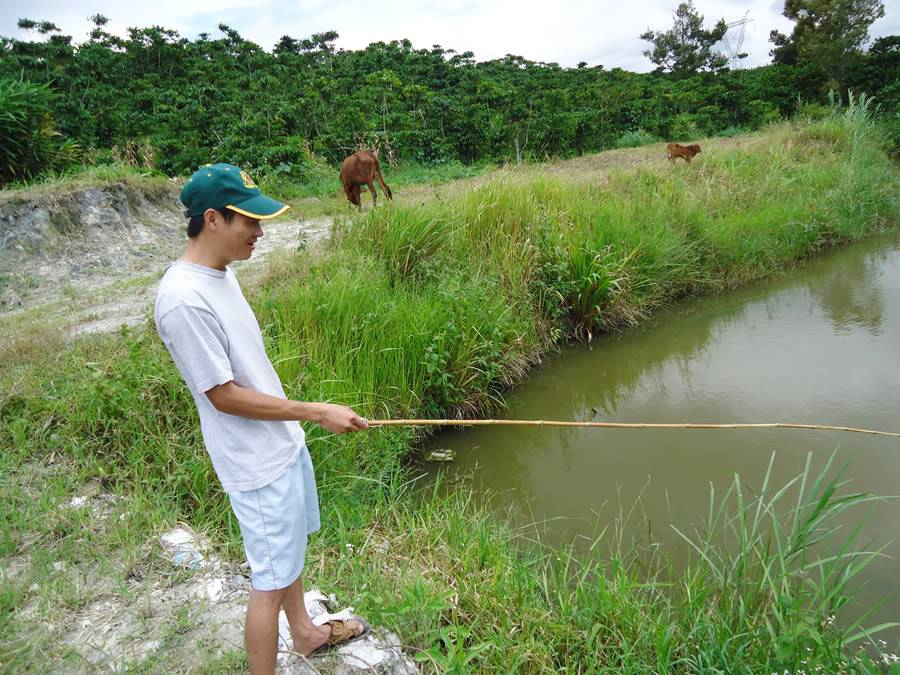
{"x":250,"y":429}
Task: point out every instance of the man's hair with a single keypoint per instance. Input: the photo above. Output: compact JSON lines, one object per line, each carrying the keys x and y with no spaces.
{"x":195,"y":224}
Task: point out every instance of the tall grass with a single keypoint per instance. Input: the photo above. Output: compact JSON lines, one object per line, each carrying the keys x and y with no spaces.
{"x":775,"y":571}
{"x":759,"y":594}
{"x":634,"y":139}
{"x":434,"y":309}
{"x":321,"y":178}
{"x":608,"y":250}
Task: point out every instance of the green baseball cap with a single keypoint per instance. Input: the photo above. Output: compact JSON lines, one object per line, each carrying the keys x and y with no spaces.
{"x":216,"y":185}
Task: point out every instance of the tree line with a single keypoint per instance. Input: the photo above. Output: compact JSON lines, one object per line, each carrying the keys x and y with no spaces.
{"x":174,"y":103}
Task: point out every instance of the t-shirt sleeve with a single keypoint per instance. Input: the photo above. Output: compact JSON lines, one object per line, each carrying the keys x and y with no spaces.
{"x":198,"y":346}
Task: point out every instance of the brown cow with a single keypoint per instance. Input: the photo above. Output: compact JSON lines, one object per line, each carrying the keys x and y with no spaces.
{"x":361,"y":168}
{"x":686,"y":152}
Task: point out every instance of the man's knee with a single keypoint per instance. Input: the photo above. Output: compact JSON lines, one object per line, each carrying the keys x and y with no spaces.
{"x":270,"y":600}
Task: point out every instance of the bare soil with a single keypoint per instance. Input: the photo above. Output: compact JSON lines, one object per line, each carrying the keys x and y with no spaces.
{"x":105,"y":274}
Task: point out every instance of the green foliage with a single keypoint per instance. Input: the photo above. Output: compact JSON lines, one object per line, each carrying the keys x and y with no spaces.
{"x":687,"y":47}
{"x":891,"y":128}
{"x":294,"y":113}
{"x":685,"y":128}
{"x":878,"y":73}
{"x":634,"y":139}
{"x":760,"y":113}
{"x":29,"y":143}
{"x":731,"y":132}
{"x":826,"y":39}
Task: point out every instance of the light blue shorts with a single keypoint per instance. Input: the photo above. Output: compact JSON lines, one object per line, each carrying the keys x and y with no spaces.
{"x":275,"y":521}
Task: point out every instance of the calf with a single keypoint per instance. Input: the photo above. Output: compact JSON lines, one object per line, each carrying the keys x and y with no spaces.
{"x":686,"y":152}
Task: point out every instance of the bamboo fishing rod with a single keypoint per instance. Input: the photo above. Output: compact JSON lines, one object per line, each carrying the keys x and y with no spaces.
{"x":619,"y":425}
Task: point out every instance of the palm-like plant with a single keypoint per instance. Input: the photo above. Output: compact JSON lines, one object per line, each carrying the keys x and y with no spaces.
{"x":29,"y":142}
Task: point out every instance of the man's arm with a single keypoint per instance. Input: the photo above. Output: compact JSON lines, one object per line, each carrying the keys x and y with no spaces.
{"x":236,"y":400}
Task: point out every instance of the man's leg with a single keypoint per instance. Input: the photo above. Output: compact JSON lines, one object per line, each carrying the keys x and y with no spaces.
{"x":261,"y":629}
{"x":306,"y":635}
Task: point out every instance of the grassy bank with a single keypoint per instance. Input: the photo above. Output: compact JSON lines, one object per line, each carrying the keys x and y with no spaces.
{"x":433,"y":309}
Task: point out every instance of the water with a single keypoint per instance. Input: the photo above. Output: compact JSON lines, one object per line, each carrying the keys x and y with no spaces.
{"x":820,"y":345}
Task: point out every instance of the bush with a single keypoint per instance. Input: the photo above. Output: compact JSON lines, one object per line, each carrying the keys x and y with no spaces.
{"x":175,"y":157}
{"x":810,"y":112}
{"x":730,"y":132}
{"x":29,"y":143}
{"x":891,"y":128}
{"x":632,"y":139}
{"x":709,"y":119}
{"x":685,"y":128}
{"x":761,"y":113}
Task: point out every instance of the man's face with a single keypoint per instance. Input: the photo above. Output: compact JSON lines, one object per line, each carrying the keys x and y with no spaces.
{"x":238,"y":237}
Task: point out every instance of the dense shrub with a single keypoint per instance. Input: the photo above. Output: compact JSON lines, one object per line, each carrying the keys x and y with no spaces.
{"x":29,"y":142}
{"x":225,"y":98}
{"x":633,"y":139}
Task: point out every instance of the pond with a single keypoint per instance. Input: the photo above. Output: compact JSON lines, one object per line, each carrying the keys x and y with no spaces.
{"x":818,"y":345}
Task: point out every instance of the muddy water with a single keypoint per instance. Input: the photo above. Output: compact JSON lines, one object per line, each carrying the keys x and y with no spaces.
{"x":821,"y":345}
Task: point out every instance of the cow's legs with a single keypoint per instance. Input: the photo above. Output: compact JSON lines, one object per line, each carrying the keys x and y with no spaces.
{"x":384,"y":186}
{"x":371,"y":185}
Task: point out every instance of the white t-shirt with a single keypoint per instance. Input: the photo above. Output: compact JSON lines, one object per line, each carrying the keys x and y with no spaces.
{"x":213,"y":337}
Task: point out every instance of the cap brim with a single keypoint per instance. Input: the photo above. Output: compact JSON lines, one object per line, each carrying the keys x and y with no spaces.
{"x":259,"y":207}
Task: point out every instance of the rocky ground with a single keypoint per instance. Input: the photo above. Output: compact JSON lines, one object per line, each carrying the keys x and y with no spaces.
{"x":90,"y":259}
{"x":178,"y":609}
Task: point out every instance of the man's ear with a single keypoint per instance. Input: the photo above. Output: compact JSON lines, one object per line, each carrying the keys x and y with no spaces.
{"x":211,"y":219}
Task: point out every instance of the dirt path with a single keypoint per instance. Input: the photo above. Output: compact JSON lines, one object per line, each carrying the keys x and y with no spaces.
{"x":132,"y":303}
{"x":96,"y":285}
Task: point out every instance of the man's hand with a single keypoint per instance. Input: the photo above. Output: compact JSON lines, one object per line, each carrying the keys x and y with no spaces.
{"x":236,"y":400}
{"x":339,"y":419}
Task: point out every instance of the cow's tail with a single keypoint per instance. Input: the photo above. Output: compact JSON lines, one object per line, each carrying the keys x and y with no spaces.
{"x":380,"y":178}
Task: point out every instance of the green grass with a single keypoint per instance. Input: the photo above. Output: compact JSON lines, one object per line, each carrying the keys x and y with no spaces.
{"x":434,"y":309}
{"x":731,"y":132}
{"x":634,"y":139}
{"x":323,"y":180}
{"x":90,"y":176}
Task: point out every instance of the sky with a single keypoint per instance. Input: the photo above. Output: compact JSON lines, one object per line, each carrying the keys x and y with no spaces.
{"x":599,"y":32}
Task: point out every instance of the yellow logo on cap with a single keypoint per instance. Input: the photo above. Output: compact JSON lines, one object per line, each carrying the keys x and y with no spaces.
{"x":248,"y":182}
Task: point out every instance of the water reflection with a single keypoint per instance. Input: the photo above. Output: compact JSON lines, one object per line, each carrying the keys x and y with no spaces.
{"x":853,"y":296}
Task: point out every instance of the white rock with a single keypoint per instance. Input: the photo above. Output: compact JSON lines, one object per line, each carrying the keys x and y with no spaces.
{"x":185,"y":548}
{"x":214,"y":589}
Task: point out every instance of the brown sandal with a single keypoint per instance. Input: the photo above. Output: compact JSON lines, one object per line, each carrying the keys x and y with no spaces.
{"x":341,"y":634}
